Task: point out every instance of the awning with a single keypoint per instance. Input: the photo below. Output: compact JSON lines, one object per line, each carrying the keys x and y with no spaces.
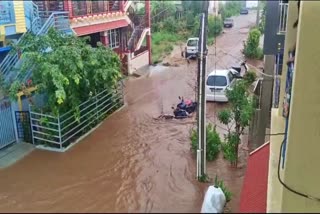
{"x":254,"y":190}
{"x":90,"y":29}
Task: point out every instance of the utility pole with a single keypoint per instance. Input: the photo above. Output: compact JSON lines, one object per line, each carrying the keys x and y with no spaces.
{"x":202,"y":66}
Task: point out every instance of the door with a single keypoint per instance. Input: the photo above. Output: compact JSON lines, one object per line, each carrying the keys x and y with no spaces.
{"x":23,"y":126}
{"x":7,"y":132}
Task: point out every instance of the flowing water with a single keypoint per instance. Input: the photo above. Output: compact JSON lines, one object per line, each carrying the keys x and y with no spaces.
{"x":132,"y":162}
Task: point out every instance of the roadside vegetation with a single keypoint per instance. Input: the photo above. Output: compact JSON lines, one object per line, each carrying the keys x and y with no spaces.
{"x":251,"y":47}
{"x":66,"y":69}
{"x":230,"y":8}
{"x":237,"y":116}
{"x":168,"y":30}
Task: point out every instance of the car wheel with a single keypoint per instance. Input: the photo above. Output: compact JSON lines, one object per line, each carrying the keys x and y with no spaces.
{"x":187,"y":55}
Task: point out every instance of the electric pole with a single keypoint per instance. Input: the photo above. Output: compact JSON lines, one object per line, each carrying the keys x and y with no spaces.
{"x":202,"y":66}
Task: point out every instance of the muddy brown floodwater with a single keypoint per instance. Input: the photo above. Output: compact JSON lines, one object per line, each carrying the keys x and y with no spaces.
{"x":131,"y":163}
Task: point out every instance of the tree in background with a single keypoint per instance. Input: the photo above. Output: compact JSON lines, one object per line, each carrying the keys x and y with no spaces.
{"x":262,"y":22}
{"x":230,"y":8}
{"x":251,"y":46}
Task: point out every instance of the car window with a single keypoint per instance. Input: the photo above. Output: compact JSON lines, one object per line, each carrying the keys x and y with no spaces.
{"x":217,"y":81}
{"x":231,"y":77}
{"x":192,"y":43}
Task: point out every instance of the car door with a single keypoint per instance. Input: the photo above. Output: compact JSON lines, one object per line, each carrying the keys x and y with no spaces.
{"x":231,"y":79}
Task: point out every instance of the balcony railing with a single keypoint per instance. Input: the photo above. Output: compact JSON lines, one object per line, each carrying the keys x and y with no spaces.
{"x":283,"y":15}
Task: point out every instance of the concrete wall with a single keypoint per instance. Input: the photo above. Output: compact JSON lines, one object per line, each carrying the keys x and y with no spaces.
{"x":272,"y":38}
{"x":138,"y":62}
{"x":302,"y":160}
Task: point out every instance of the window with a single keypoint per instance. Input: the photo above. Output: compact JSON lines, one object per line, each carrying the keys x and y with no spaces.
{"x":79,"y":8}
{"x":231,"y":77}
{"x":192,"y":43}
{"x":114,"y":38}
{"x":6,"y":12}
{"x":217,"y":81}
{"x":56,"y":5}
{"x":99,"y":6}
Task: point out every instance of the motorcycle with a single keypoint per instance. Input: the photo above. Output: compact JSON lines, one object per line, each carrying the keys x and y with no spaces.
{"x":187,"y":105}
{"x":238,"y":69}
{"x":184,"y":109}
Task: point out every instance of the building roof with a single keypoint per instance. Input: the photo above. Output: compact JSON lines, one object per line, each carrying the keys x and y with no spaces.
{"x":254,"y":190}
{"x":90,"y":29}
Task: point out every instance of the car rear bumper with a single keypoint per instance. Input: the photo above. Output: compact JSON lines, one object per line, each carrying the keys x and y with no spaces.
{"x":216,"y":98}
{"x":228,"y":25}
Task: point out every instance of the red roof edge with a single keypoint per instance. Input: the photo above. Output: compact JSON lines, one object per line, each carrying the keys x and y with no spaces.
{"x":254,"y":190}
{"x":90,"y":29}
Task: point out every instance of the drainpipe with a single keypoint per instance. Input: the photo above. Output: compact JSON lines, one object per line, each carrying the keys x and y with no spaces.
{"x":148,"y":25}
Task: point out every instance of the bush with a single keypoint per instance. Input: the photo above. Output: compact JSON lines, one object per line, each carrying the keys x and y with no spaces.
{"x":251,"y":46}
{"x":220,"y":183}
{"x":215,"y":26}
{"x":211,"y":40}
{"x":250,"y":77}
{"x":213,"y":142}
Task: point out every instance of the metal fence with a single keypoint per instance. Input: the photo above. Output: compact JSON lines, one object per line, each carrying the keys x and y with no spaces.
{"x":61,"y":131}
{"x":7,"y":131}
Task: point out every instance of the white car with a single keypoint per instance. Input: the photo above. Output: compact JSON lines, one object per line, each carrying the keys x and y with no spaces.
{"x":218,"y":81}
{"x":191,"y":49}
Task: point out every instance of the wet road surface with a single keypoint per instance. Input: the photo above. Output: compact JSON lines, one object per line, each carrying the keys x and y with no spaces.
{"x":131,"y":163}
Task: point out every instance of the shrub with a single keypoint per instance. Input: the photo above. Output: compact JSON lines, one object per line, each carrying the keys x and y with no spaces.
{"x":220,"y":183}
{"x":211,"y":40}
{"x":213,"y":142}
{"x":251,"y":46}
{"x":250,"y":77}
{"x":215,"y":26}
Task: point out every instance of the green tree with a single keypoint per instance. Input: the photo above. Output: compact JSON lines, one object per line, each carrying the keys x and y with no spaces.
{"x":215,"y":26}
{"x":237,"y":117}
{"x":66,"y":69}
{"x":230,"y":8}
{"x":251,"y":46}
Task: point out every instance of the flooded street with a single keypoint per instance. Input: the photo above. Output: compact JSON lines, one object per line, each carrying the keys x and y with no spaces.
{"x":131,"y":163}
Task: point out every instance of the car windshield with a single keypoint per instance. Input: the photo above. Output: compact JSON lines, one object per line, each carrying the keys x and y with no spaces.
{"x":192,"y":43}
{"x":228,"y":20}
{"x":217,"y":81}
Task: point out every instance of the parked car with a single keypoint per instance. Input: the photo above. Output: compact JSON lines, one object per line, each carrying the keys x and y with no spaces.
{"x":228,"y":22}
{"x":218,"y":81}
{"x":191,"y":49}
{"x":244,"y":11}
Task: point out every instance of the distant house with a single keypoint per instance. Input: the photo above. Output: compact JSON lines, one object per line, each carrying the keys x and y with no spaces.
{"x":12,"y":24}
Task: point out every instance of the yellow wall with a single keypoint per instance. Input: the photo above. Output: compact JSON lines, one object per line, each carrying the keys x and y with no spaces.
{"x":20,"y":16}
{"x":290,"y":40}
{"x":20,"y":21}
{"x":302,"y":171}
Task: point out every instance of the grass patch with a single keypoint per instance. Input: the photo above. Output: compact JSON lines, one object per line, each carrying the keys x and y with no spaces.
{"x":162,"y":45}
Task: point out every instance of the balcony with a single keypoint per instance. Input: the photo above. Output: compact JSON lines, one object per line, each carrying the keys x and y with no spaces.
{"x":283,"y":16}
{"x":84,"y":8}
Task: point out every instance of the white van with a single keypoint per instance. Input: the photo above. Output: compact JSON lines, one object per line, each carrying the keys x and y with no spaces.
{"x":192,"y":47}
{"x":217,"y":83}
